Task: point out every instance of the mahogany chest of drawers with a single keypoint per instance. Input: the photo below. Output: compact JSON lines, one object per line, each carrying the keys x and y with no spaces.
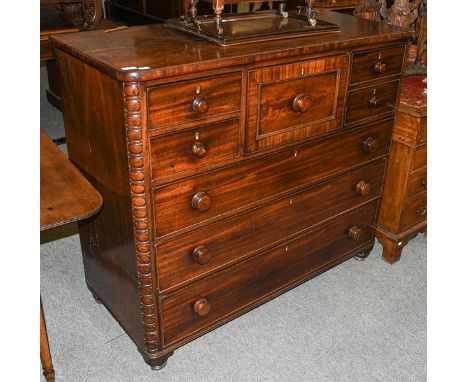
{"x":229,"y":175}
{"x":404,"y":200}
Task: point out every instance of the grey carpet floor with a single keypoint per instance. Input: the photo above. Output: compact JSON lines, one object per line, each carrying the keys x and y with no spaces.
{"x":358,"y":322}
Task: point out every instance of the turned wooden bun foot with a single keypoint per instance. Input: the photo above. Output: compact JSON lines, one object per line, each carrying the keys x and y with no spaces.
{"x":159,"y":367}
{"x":363,"y":255}
{"x":158,"y":363}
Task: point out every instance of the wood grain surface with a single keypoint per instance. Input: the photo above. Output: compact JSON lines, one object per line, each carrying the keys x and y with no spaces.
{"x":66,"y":196}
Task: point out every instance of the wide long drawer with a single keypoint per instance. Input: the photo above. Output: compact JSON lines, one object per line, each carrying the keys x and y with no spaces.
{"x":202,"y":251}
{"x":201,"y":198}
{"x":241,"y":286}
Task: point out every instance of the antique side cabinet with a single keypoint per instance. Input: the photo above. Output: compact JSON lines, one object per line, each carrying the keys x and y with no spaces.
{"x":403,"y":209}
{"x":229,"y":174}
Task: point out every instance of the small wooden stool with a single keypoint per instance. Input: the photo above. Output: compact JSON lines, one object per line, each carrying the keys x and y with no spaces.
{"x":66,"y":197}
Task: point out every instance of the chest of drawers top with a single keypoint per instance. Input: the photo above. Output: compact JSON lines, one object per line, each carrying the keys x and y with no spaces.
{"x":152,"y":52}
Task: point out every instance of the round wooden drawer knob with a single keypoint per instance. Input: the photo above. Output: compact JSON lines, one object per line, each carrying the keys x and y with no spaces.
{"x":380,"y":67}
{"x":199,"y":149}
{"x":302,"y":103}
{"x":363,"y":188}
{"x":424,"y":183}
{"x":369,"y":145}
{"x":374,"y":102}
{"x":200,"y":105}
{"x":202,"y":307}
{"x":201,"y":201}
{"x":354,"y":232}
{"x":201,"y":255}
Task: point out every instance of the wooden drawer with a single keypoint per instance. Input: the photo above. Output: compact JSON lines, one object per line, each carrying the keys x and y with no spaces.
{"x":262,"y":277}
{"x":205,"y":250}
{"x":198,"y":147}
{"x":375,"y":64}
{"x":414,"y":211}
{"x":295,"y":101}
{"x":203,"y":197}
{"x":423,"y":131}
{"x":417,"y":182}
{"x":371,"y":101}
{"x":194,"y":100}
{"x":419,"y":157}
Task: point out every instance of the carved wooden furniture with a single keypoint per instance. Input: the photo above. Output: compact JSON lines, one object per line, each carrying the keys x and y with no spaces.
{"x":404,"y":203}
{"x":57,"y":17}
{"x":66,"y":197}
{"x":229,"y":174}
{"x":89,"y":11}
{"x":402,"y":13}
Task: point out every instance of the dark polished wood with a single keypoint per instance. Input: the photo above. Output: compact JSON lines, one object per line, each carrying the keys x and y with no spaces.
{"x":66,"y":196}
{"x":243,"y":235}
{"x":205,"y":145}
{"x":229,"y":175}
{"x":194,"y":100}
{"x":180,"y":54}
{"x":296,"y":101}
{"x":404,"y":204}
{"x":371,"y":65}
{"x":229,"y":190}
{"x":246,"y":282}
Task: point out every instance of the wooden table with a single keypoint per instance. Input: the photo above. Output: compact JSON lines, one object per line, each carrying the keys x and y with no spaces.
{"x":66,"y":196}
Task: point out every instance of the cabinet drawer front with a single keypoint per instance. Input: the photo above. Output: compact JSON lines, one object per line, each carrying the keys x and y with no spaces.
{"x":419,"y":157}
{"x":417,"y":182}
{"x":423,"y":131}
{"x":295,"y":101}
{"x":263,"y":276}
{"x":194,"y":100}
{"x":371,"y":101}
{"x":414,"y":211}
{"x":180,"y":260}
{"x":198,"y":147}
{"x":201,"y":198}
{"x":375,"y":64}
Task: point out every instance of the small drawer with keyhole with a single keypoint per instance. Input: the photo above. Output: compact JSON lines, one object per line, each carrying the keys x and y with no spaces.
{"x":203,"y":146}
{"x":188,"y":101}
{"x":371,"y":101}
{"x":376,"y":64}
